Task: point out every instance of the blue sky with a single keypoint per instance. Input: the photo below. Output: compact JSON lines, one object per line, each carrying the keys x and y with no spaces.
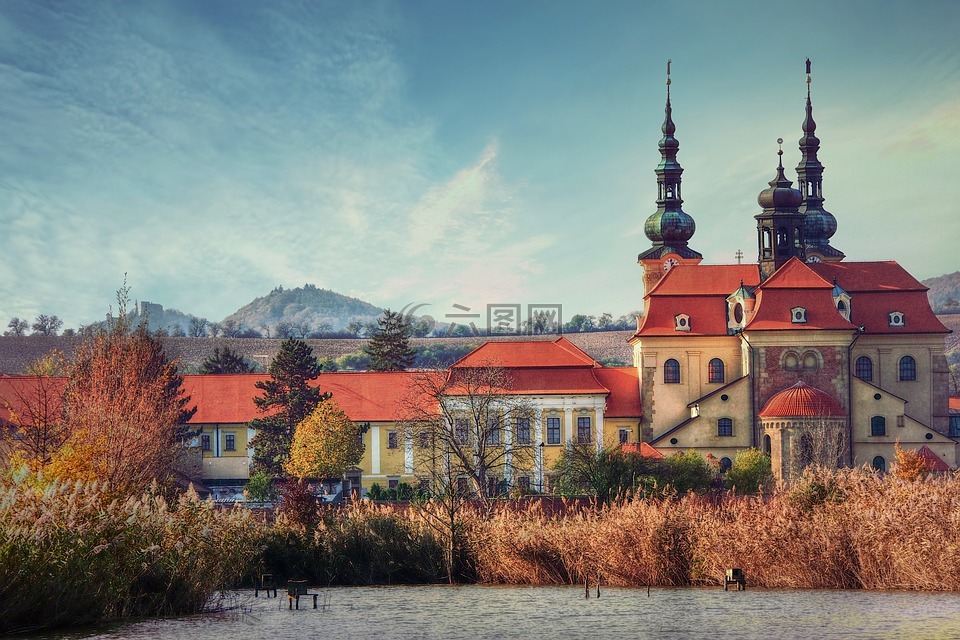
{"x":448,"y":152}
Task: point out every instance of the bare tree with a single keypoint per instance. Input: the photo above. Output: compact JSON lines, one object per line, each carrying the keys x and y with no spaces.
{"x":468,"y":429}
{"x":215,"y":329}
{"x":16,"y":327}
{"x":46,"y":325}
{"x":198,"y":327}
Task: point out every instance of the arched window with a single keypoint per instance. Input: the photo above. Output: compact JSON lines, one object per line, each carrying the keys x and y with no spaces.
{"x":715,"y":370}
{"x":725,"y":464}
{"x":791,"y":361}
{"x":766,"y":445}
{"x":880,"y":464}
{"x":864,"y":368}
{"x":908,"y":368}
{"x":671,"y":372}
{"x":878,"y":426}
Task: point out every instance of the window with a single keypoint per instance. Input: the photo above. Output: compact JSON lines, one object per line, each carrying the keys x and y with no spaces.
{"x":896,"y":318}
{"x":725,"y":427}
{"x":461,"y":431}
{"x":425,"y":485}
{"x":392,"y":483}
{"x":671,"y":372}
{"x":423,"y":439}
{"x":878,"y":426}
{"x":493,"y":431}
{"x":955,"y":426}
{"x":908,"y":368}
{"x":880,"y":464}
{"x":463,"y":486}
{"x":681,"y":322}
{"x":864,"y":368}
{"x":798,"y":315}
{"x":523,"y":430}
{"x":553,"y":430}
{"x":583,"y":429}
{"x":391,"y":439}
{"x":766,"y":445}
{"x":491,"y":486}
{"x":715,"y":371}
{"x":205,"y":443}
{"x":523,"y":483}
{"x":229,"y":442}
{"x":624,"y":436}
{"x":725,"y":464}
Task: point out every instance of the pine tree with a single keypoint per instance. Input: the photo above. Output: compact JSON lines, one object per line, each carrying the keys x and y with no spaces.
{"x":288,"y":398}
{"x":389,"y":347}
{"x":226,"y":361}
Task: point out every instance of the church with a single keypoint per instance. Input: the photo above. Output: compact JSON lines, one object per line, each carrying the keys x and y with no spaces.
{"x":806,"y":355}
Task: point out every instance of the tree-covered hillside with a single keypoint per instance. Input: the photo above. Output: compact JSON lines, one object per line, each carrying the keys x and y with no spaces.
{"x":307,"y":307}
{"x":944,"y":293}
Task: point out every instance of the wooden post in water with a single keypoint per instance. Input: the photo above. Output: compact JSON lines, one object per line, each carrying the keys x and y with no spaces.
{"x":586,"y":586}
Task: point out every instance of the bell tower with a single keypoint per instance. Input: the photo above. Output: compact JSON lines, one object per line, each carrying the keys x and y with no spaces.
{"x":669,"y":228}
{"x":780,"y":226}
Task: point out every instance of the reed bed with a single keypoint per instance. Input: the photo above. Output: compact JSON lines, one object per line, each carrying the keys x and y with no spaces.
{"x":835,"y":530}
{"x":71,"y":553}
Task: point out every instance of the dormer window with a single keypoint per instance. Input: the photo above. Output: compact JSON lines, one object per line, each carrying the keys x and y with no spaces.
{"x":896,"y":318}
{"x":843,"y":309}
{"x":841,"y":299}
{"x":681,"y":322}
{"x":798,"y":315}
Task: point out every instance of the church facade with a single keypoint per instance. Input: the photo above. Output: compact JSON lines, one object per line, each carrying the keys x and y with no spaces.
{"x":803,"y":354}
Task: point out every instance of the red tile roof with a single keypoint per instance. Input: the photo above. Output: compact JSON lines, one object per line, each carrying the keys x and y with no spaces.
{"x":795,"y":274}
{"x":557,"y":353}
{"x":24,"y":395}
{"x":934,"y":462}
{"x":800,"y":401}
{"x":645,"y":449}
{"x":871,"y":311}
{"x":365,"y":396}
{"x":624,"y":386}
{"x":705,"y":280}
{"x":773,"y":309}
{"x":708,"y":314}
{"x":868,"y":276}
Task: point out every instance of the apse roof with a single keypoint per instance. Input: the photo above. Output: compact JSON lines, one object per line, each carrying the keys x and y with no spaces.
{"x":801,"y":401}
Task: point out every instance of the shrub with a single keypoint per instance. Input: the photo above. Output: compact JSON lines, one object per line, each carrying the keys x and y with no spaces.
{"x":750,"y":471}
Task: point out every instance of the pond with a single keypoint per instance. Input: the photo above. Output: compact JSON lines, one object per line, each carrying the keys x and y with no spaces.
{"x":473,"y":611}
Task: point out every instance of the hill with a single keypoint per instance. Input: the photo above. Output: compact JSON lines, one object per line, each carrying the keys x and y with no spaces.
{"x":309,"y":307}
{"x":944,"y":293}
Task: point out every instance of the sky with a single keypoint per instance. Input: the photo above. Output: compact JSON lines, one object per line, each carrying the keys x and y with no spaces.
{"x":446,"y":152}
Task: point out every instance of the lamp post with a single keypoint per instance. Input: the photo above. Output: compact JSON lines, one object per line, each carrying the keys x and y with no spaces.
{"x":540,"y":467}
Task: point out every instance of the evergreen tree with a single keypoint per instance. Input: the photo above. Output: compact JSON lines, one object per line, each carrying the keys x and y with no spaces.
{"x":389,"y":347}
{"x":226,"y":361}
{"x":288,"y":398}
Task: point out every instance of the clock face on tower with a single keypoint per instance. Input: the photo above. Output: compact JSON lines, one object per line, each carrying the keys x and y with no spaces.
{"x":814,"y":259}
{"x":670,"y":263}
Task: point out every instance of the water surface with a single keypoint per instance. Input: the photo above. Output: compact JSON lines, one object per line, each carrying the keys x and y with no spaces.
{"x":473,"y":611}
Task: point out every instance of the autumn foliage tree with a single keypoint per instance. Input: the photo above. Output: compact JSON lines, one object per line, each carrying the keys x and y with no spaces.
{"x":325,"y":444}
{"x":910,"y":465}
{"x":124,"y":409}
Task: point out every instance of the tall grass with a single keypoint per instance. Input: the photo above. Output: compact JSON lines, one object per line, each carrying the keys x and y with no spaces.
{"x":847,"y":529}
{"x":71,"y":554}
{"x":360,"y":544}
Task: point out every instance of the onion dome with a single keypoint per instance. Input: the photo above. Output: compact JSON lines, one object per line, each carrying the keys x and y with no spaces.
{"x":669,"y":228}
{"x":780,"y":196}
{"x":802,"y":401}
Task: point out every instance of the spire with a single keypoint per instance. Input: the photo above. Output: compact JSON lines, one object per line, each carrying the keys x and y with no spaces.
{"x":819,"y":224}
{"x":669,"y":228}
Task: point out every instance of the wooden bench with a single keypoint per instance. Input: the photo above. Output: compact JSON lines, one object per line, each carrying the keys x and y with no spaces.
{"x":295,"y":589}
{"x":267,"y":583}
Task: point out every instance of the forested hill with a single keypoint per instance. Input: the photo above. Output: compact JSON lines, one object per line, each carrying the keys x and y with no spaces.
{"x":319,"y":309}
{"x":944,"y":292}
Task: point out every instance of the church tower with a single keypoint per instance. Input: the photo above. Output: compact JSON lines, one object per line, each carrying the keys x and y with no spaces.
{"x":669,"y":228}
{"x":780,"y":226}
{"x":819,"y":224}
